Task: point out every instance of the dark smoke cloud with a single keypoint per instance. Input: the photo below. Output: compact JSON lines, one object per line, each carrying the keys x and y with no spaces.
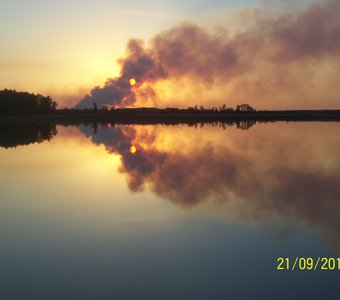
{"x":276,"y":47}
{"x":276,"y":180}
{"x":118,"y":92}
{"x":115,"y":92}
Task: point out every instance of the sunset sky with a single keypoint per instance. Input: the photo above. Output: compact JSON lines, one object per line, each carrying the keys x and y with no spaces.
{"x":66,"y":48}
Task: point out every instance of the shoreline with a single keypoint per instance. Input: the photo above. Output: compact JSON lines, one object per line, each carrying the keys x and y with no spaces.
{"x":135,"y":116}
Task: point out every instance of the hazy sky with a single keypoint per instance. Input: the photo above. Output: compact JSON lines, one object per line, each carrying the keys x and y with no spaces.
{"x":62,"y":44}
{"x":65,"y":48}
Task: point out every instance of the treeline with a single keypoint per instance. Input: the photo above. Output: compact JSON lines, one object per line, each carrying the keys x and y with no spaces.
{"x":244,"y":108}
{"x":23,"y":103}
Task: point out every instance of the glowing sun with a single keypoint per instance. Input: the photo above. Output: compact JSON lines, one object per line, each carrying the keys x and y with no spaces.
{"x":133,"y":150}
{"x":132,"y":81}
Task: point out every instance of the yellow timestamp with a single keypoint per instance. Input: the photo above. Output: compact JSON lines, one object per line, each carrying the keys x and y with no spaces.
{"x":308,"y":263}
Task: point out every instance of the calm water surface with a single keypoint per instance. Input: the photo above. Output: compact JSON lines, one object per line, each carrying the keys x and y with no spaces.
{"x":168,"y":212}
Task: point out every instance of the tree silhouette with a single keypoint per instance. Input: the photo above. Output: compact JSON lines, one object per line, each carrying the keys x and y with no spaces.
{"x":23,"y":103}
{"x":95,"y":107}
{"x":244,"y":107}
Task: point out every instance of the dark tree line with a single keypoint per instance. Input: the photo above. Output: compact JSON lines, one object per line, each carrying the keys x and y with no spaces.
{"x":104,"y":110}
{"x":23,"y":103}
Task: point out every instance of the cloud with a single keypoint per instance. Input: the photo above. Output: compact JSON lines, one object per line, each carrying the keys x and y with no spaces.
{"x":280,"y":55}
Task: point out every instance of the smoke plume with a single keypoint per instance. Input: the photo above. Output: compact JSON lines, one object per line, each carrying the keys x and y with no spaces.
{"x":282,"y":55}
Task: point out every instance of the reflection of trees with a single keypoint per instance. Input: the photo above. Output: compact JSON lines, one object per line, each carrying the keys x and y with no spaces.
{"x":16,"y":134}
{"x":245,"y":125}
{"x":242,"y":125}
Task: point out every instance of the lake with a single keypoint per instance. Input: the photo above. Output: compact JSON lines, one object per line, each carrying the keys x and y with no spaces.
{"x":169,"y":212}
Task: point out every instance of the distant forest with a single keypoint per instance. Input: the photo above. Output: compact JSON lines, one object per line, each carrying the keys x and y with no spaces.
{"x":22,"y":106}
{"x":23,"y":103}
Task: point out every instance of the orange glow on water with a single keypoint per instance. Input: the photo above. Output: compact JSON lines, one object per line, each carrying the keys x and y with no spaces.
{"x":133,"y":150}
{"x":132,"y":81}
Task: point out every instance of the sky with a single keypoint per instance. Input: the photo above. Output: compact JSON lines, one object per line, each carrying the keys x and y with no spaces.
{"x":66,"y":48}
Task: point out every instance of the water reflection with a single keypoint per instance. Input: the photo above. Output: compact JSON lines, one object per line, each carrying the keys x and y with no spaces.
{"x":195,"y":232}
{"x":274,"y":171}
{"x":261,"y":175}
{"x":18,"y":134}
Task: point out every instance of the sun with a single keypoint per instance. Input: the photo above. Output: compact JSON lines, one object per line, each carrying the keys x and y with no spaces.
{"x":133,"y":149}
{"x":132,"y":81}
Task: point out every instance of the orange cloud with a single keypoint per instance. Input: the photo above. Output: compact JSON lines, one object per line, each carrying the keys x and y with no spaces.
{"x":284,"y":60}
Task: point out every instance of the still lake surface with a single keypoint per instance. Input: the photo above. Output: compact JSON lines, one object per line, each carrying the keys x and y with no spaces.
{"x":168,"y":212}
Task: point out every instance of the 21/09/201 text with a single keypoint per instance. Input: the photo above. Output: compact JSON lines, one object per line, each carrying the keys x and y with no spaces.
{"x":308,"y":263}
